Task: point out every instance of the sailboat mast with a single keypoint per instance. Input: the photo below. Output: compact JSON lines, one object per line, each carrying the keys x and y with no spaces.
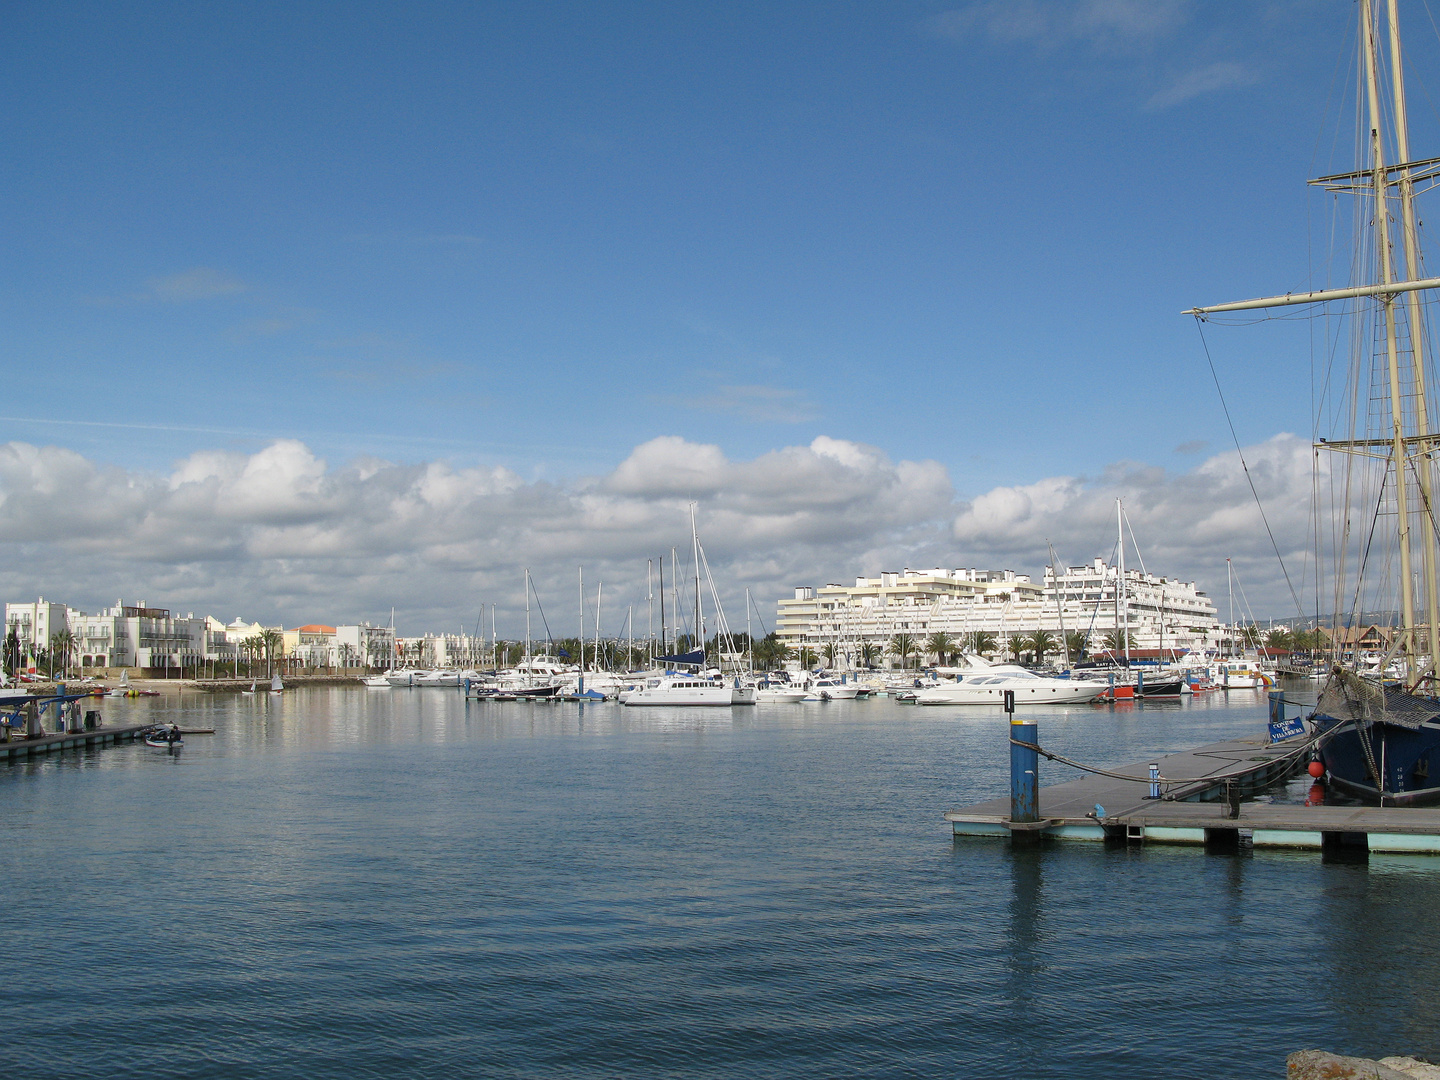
{"x":663,"y":649}
{"x":1121,"y":613}
{"x":527,"y":626}
{"x":1379,"y":185}
{"x":598,"y":590}
{"x":1417,"y":341}
{"x":749,"y":641}
{"x":1059,"y":600}
{"x":695,"y":546}
{"x":650,"y":609}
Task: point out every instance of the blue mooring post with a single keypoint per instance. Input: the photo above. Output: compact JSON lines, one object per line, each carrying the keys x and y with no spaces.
{"x":1277,"y":706}
{"x":1024,"y":767}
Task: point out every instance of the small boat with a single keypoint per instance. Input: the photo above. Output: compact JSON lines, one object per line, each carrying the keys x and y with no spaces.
{"x":987,"y":684}
{"x":779,"y":694}
{"x":165,"y":737}
{"x":276,"y":686}
{"x":831,"y":689}
{"x":378,"y":681}
{"x":250,"y":692}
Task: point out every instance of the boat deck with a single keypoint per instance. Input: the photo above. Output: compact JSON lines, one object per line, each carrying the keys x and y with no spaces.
{"x":1197,"y":813}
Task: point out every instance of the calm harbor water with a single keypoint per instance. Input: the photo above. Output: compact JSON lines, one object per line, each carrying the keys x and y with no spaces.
{"x":395,"y":883}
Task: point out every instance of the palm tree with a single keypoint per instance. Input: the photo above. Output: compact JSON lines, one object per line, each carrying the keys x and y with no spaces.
{"x":62,"y":643}
{"x":272,"y":641}
{"x":1075,"y":641}
{"x":1041,"y":642}
{"x":764,"y":651}
{"x":1279,"y":638}
{"x":903,"y":646}
{"x":981,"y":642}
{"x":12,"y":650}
{"x":869,"y":653}
{"x":1116,"y":640}
{"x":1017,"y":645}
{"x":808,"y":658}
{"x":829,"y":650}
{"x":941,"y":645}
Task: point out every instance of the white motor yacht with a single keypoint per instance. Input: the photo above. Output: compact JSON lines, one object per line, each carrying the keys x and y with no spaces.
{"x":402,"y":677}
{"x":779,"y":692}
{"x":380,"y":680}
{"x":983,"y":683}
{"x":437,"y":678}
{"x":831,"y":689}
{"x":681,"y":689}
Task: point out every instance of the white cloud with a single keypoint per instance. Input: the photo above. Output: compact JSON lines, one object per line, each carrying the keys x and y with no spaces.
{"x":282,"y":534}
{"x":201,"y":283}
{"x":1223,"y":75}
{"x":1108,"y":25}
{"x":1186,"y":525}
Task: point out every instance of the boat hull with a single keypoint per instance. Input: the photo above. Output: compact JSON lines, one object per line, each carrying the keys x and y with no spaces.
{"x":770,"y":695}
{"x":1408,"y":759}
{"x":1024,"y":695}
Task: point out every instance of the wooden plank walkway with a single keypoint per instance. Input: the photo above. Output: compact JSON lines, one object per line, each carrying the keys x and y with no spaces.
{"x":1195,"y":813}
{"x":15,"y":749}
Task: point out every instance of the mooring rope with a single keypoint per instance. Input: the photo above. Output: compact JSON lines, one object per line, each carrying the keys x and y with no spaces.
{"x":1212,"y":778}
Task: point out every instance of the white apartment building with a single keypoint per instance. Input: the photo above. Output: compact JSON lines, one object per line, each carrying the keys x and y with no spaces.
{"x":362,"y":643}
{"x":134,"y":635}
{"x":35,"y":623}
{"x":1158,"y":611}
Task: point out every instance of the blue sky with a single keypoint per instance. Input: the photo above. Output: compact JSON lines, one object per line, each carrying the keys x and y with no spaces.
{"x":537,"y":237}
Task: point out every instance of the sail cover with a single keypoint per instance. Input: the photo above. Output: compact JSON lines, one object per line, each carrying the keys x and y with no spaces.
{"x":694,"y":659}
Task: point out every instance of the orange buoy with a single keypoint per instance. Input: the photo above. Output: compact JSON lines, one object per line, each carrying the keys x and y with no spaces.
{"x":1317,"y":769}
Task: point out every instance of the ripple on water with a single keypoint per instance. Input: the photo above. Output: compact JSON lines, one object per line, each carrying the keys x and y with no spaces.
{"x":376,"y":884}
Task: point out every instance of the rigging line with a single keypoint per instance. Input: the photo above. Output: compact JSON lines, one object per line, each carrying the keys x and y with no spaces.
{"x":1299,"y":607}
{"x":1431,"y":16}
{"x":758,"y":616}
{"x":1365,"y":556}
{"x":549,"y":639}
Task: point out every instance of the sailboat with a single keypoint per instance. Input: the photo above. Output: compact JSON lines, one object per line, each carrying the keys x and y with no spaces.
{"x":276,"y":686}
{"x":1378,"y":735}
{"x":251,"y":691}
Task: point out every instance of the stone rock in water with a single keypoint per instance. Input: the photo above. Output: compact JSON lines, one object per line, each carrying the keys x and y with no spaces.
{"x":1420,"y":1070}
{"x":1320,"y":1065}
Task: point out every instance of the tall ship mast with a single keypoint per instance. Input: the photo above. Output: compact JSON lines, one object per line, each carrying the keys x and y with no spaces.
{"x":1378,"y":722}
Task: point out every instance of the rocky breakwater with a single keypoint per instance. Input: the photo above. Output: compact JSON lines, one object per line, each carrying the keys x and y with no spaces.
{"x":292,"y":682}
{"x":1321,"y":1065}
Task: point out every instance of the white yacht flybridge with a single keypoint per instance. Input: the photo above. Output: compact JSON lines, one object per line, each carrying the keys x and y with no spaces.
{"x":984,"y":683}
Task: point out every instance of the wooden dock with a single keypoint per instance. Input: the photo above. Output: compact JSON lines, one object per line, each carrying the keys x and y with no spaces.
{"x":1200,"y":813}
{"x":15,"y":749}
